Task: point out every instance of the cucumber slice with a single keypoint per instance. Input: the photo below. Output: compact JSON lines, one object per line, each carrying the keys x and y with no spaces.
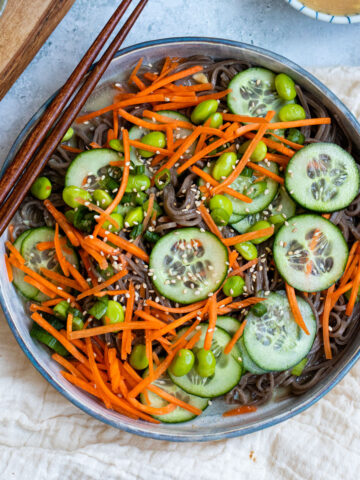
{"x":231,"y":325}
{"x":228,"y":369}
{"x":245,"y":185}
{"x":88,"y":164}
{"x":254,"y":93}
{"x":274,"y":341}
{"x":310,"y":252}
{"x":37,"y":260}
{"x":188,"y":264}
{"x":24,"y":288}
{"x":322,"y":177}
{"x":178,"y":415}
{"x":282,"y":204}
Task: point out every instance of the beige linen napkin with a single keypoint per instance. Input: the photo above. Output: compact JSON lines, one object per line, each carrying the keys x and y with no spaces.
{"x":43,"y":436}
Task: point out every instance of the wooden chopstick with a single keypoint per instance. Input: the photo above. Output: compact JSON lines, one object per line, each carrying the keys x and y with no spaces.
{"x":34,"y":167}
{"x":36,"y":137}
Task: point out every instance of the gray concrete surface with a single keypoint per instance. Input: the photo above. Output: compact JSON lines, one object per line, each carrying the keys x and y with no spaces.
{"x":271,"y":24}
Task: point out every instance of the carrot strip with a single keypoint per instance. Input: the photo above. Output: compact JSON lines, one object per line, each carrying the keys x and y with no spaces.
{"x":354,"y":293}
{"x":171,"y":79}
{"x":126,"y":339}
{"x":295,"y":146}
{"x":125,"y":245}
{"x":193,"y":340}
{"x":167,"y":120}
{"x":325,"y":322}
{"x":274,"y":145}
{"x":80,"y":383}
{"x":245,"y":303}
{"x":8,"y":268}
{"x":148,"y":351}
{"x":111,"y":293}
{"x":42,"y":246}
{"x":150,"y":318}
{"x":150,"y":148}
{"x":15,"y":252}
{"x":77,"y":276}
{"x":62,"y":221}
{"x":100,"y":246}
{"x":300,"y":123}
{"x":235,"y":338}
{"x":245,"y":237}
{"x":93,"y":253}
{"x":68,"y":365}
{"x":136,"y":68}
{"x":173,"y":325}
{"x":71,"y":149}
{"x":265,"y":171}
{"x":142,"y":123}
{"x":243,"y":118}
{"x":209,"y":221}
{"x":187,"y":309}
{"x":103,"y":285}
{"x":40,"y":308}
{"x":212,"y":322}
{"x":39,"y":286}
{"x":113,"y":327}
{"x":295,"y":308}
{"x":69,"y":321}
{"x":63,"y":281}
{"x":86,"y":261}
{"x":244,"y":267}
{"x":59,"y":337}
{"x":340,"y":291}
{"x":240,"y":410}
{"x":51,"y":303}
{"x":58,"y":252}
{"x":180,"y":103}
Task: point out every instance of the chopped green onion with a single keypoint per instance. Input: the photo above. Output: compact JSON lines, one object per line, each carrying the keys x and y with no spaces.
{"x":151,"y":237}
{"x":298,"y":369}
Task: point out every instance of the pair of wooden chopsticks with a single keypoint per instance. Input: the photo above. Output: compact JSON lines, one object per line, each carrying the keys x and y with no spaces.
{"x":37,"y":149}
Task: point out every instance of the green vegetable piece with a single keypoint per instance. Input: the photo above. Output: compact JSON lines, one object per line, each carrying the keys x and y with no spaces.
{"x":220,"y":216}
{"x":220,"y":201}
{"x":260,"y":225}
{"x":154,"y":139}
{"x":61,"y":309}
{"x":247,"y":172}
{"x":109,"y":184}
{"x":69,"y":214}
{"x":114,"y":313}
{"x":151,"y":237}
{"x":77,"y":323}
{"x":183,"y":362}
{"x":140,"y":198}
{"x":134,"y":217}
{"x":99,"y":309}
{"x":258,"y":154}
{"x":285,"y":86}
{"x":259,"y":309}
{"x":292,"y":112}
{"x":247,"y":250}
{"x":256,"y":189}
{"x":162,"y":179}
{"x":156,"y":208}
{"x":138,"y":358}
{"x":102,"y":198}
{"x":68,"y":135}
{"x":84,"y":219}
{"x":71,"y":193}
{"x":119,"y":219}
{"x":298,"y":369}
{"x":203,"y":111}
{"x":234,"y":286}
{"x":277,"y":219}
{"x":348,"y":293}
{"x":41,"y":188}
{"x":116,"y":145}
{"x":205,"y":363}
{"x":294,"y":135}
{"x":216,"y":120}
{"x":136,"y":231}
{"x":224,"y":165}
{"x":139,"y":169}
{"x":137,"y":183}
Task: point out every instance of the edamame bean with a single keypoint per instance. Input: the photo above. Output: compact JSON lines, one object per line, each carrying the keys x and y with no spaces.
{"x":203,"y":111}
{"x":68,"y":135}
{"x":224,"y":165}
{"x":292,"y":112}
{"x":285,"y":86}
{"x":41,"y":188}
{"x":183,"y":362}
{"x":154,"y":139}
{"x":119,"y":219}
{"x":260,"y":225}
{"x":294,"y":135}
{"x":140,"y":198}
{"x":258,"y":309}
{"x":102,"y":198}
{"x":258,"y":154}
{"x":234,"y":286}
{"x":277,"y":219}
{"x":71,"y":193}
{"x":114,"y":313}
{"x":138,"y":358}
{"x":247,"y":250}
{"x":220,"y":217}
{"x":116,"y":145}
{"x":216,"y":120}
{"x":134,"y":217}
{"x":205,"y":363}
{"x":137,"y":183}
{"x":220,"y":201}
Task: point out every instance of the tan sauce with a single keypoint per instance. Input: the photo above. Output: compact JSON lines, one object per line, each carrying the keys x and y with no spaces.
{"x":334,"y":7}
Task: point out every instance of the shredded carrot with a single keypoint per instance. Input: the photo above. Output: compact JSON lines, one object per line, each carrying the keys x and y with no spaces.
{"x":240,"y":410}
{"x":242,"y":304}
{"x":11,"y":233}
{"x":299,"y":123}
{"x":149,"y":148}
{"x":209,"y":221}
{"x":77,"y":276}
{"x":167,"y":120}
{"x":99,"y":245}
{"x":95,"y":145}
{"x":245,"y":237}
{"x":68,"y":365}
{"x":60,"y":338}
{"x":125,"y":245}
{"x":325,"y":322}
{"x":86,"y":261}
{"x":80,"y":383}
{"x":60,"y":279}
{"x":142,"y":123}
{"x":265,"y":171}
{"x":34,"y":307}
{"x":15,"y":252}
{"x":354,"y":293}
{"x":136,"y":68}
{"x":42,"y":246}
{"x":243,"y":118}
{"x":171,"y":79}
{"x":187,"y":309}
{"x":274,"y":145}
{"x":212,"y":322}
{"x":116,"y":123}
{"x":293,"y":145}
{"x":71,"y":149}
{"x":180,"y":103}
{"x":113,"y":327}
{"x":111,"y":293}
{"x":101,"y":260}
{"x":62,"y":221}
{"x":39,"y":286}
{"x":173,"y":325}
{"x":235,"y":338}
{"x":103,"y":285}
{"x":244,"y":267}
{"x":69,"y":321}
{"x":126,"y":339}
{"x":58,"y":252}
{"x":8,"y":268}
{"x":295,"y":308}
{"x":340,"y":291}
{"x":326,"y":215}
{"x":51,"y":303}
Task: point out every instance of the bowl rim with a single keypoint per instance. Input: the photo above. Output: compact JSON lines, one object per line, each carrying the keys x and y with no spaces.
{"x":324,"y":17}
{"x":175,"y":437}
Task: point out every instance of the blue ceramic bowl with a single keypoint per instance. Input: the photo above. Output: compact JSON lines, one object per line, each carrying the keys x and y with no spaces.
{"x":324,"y":17}
{"x":211,"y":425}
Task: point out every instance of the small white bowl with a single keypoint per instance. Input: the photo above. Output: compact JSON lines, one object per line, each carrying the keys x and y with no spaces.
{"x":344,"y":19}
